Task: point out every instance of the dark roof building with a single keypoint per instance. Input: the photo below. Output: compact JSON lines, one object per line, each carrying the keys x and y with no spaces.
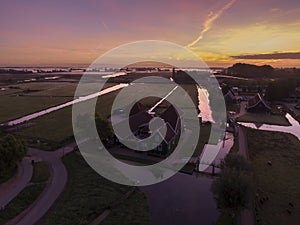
{"x":139,"y":120}
{"x":172,"y":116}
{"x":137,"y":107}
{"x":258,"y":105}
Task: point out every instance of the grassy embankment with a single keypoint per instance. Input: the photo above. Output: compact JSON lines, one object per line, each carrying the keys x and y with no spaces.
{"x":279,"y":182}
{"x":264,"y":118}
{"x":88,"y":194}
{"x":28,"y":195}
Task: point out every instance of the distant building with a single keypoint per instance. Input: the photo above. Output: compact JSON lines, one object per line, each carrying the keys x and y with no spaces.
{"x":231,"y":95}
{"x":258,"y":105}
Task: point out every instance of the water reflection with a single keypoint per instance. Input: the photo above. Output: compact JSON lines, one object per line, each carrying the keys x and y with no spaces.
{"x":222,"y":149}
{"x":293,"y":129}
{"x":204,"y":107}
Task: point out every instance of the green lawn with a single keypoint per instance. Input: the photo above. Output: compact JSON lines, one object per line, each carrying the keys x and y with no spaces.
{"x":8,"y":174}
{"x":264,"y":118}
{"x":279,"y":182}
{"x":41,"y":172}
{"x":133,"y":211}
{"x":87,"y":194}
{"x":28,"y":195}
{"x":21,"y":202}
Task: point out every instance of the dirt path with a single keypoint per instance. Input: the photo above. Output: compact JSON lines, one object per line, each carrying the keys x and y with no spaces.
{"x":247,"y":214}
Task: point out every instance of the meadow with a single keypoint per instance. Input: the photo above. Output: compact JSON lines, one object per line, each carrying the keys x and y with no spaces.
{"x":277,"y":185}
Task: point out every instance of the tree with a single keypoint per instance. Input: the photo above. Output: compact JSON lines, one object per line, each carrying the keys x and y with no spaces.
{"x":103,"y":128}
{"x":12,"y":150}
{"x":281,"y":88}
{"x":232,"y":189}
{"x":250,"y":71}
{"x":234,"y":186}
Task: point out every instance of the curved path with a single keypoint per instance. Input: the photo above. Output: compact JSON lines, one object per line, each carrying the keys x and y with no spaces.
{"x":10,"y":189}
{"x":57,"y":182}
{"x":54,"y":188}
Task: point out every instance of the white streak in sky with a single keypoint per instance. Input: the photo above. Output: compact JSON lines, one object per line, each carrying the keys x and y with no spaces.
{"x":208,"y":23}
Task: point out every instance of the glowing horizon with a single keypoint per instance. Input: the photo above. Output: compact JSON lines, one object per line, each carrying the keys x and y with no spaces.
{"x":220,"y":32}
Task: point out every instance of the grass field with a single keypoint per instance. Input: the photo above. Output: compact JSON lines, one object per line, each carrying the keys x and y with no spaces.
{"x":87,"y":194}
{"x":278,"y":182}
{"x":20,"y":102}
{"x":28,"y":195}
{"x":124,"y":213}
{"x":264,"y":118}
{"x":57,"y":126}
{"x":18,"y":106}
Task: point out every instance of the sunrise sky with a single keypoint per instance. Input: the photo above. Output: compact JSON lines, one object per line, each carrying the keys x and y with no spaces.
{"x":221,"y":32}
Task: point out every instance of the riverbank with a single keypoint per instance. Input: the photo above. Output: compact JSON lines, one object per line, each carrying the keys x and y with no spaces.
{"x":260,"y":118}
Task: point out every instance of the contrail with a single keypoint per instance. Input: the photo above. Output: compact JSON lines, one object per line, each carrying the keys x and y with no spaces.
{"x":104,"y":24}
{"x":209,"y":22}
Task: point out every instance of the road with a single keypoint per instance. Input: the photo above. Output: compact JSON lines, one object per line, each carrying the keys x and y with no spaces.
{"x":10,"y":189}
{"x":57,"y":182}
{"x":247,"y":214}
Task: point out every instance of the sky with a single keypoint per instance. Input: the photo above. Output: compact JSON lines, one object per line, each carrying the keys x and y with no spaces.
{"x":220,"y":32}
